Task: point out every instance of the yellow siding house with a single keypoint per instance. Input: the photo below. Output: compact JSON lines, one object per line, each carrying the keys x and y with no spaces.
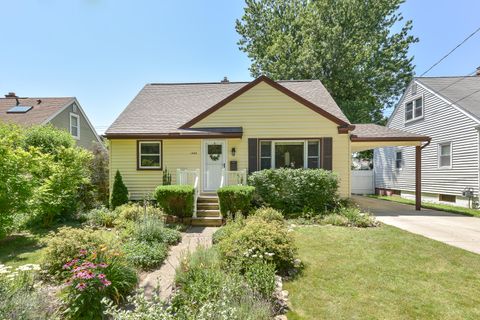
{"x":217,"y":133}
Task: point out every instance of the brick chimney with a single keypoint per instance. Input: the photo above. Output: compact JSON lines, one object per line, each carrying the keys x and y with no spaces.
{"x":225,"y":80}
{"x":11,"y":95}
{"x":478,"y":72}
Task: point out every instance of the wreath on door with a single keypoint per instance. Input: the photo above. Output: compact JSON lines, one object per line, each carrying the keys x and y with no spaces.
{"x":214,"y":151}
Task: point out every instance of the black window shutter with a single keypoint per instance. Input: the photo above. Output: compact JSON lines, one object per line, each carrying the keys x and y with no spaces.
{"x":252,"y":155}
{"x":326,"y":153}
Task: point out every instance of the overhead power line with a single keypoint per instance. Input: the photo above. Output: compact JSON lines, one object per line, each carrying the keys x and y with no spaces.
{"x":451,"y":51}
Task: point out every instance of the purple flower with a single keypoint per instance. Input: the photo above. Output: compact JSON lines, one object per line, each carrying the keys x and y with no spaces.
{"x":102,"y":265}
{"x":101,"y":276}
{"x":83,"y":252}
{"x":81,"y":286}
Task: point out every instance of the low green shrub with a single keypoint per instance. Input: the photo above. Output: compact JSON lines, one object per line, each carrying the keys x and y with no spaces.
{"x":206,"y":291}
{"x":258,"y":240}
{"x":357,"y":218}
{"x":296,"y":190}
{"x":227,"y":230}
{"x":234,"y":199}
{"x":135,"y":211}
{"x":95,"y":275}
{"x":143,"y":309}
{"x":145,"y":255}
{"x":20,"y":297}
{"x":101,"y":217}
{"x":260,"y":277}
{"x":119,"y":194}
{"x":152,"y":229}
{"x":65,"y":244}
{"x":176,"y":200}
{"x":335,"y":220}
{"x":268,"y":215}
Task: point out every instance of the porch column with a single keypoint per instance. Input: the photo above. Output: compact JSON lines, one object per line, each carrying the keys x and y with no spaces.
{"x":418,"y":178}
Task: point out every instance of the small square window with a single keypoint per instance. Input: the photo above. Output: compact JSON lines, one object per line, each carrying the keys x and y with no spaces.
{"x":150,"y":155}
{"x":414,"y":109}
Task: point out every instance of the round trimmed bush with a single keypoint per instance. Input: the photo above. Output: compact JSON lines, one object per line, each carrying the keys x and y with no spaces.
{"x":234,"y":199}
{"x":176,"y":200}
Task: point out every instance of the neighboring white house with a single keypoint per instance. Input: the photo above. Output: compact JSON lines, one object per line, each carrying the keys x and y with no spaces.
{"x":447,"y":109}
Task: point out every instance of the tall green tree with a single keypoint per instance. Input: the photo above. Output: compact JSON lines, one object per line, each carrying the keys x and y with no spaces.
{"x":357,"y":48}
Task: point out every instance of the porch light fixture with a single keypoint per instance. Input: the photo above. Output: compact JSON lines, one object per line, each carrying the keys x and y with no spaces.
{"x":234,"y":151}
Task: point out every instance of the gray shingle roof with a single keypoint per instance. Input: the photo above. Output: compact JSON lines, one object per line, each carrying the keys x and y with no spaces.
{"x":37,"y":115}
{"x":370,"y":131}
{"x":163,"y":108}
{"x":461,"y":91}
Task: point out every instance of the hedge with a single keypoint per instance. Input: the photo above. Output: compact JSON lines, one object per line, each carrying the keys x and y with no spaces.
{"x":176,"y":200}
{"x":235,"y":199}
{"x":296,"y":190}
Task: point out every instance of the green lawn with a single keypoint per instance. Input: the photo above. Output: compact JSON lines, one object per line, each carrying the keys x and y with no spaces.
{"x":382,"y":273}
{"x":25,"y":247}
{"x":435,"y":206}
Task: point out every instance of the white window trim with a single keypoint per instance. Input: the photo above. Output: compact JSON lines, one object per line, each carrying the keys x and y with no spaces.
{"x":305,"y":151}
{"x":439,"y":152}
{"x":140,"y":154}
{"x":401,"y":160}
{"x":77,"y":137}
{"x":412,"y":100}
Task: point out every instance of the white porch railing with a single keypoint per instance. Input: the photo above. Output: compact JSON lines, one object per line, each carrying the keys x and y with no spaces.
{"x":190,"y":177}
{"x":233,"y":178}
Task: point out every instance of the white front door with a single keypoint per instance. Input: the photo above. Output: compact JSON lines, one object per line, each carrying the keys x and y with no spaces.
{"x":214,"y":162}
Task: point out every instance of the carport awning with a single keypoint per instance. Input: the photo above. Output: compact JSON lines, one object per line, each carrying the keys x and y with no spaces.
{"x":371,"y":136}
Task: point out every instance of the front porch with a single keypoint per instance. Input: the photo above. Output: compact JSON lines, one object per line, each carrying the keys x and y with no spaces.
{"x":206,"y":210}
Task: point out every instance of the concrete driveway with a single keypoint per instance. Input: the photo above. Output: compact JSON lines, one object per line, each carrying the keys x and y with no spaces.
{"x":453,"y":229}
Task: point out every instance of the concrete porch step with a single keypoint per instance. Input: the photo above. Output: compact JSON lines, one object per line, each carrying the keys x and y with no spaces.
{"x":207,"y":221}
{"x":208,"y":213}
{"x":208,"y":206}
{"x":207,"y":199}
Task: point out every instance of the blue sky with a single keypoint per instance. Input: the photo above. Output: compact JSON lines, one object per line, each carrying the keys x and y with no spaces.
{"x":104,"y":51}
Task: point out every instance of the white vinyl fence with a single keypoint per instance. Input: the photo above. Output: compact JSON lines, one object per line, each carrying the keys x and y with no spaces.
{"x":363,"y":182}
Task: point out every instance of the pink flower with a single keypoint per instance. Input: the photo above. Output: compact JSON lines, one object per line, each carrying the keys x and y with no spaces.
{"x":82,"y":252}
{"x":105,"y":282}
{"x":81,"y":286}
{"x":101,"y":276}
{"x":102,"y":265}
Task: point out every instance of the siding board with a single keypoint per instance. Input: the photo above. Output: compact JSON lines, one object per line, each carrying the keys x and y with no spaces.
{"x":443,"y":123}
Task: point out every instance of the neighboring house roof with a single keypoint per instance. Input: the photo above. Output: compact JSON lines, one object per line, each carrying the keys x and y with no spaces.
{"x":375,"y":132}
{"x":42,"y":111}
{"x":463,"y":92}
{"x":171,"y":108}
